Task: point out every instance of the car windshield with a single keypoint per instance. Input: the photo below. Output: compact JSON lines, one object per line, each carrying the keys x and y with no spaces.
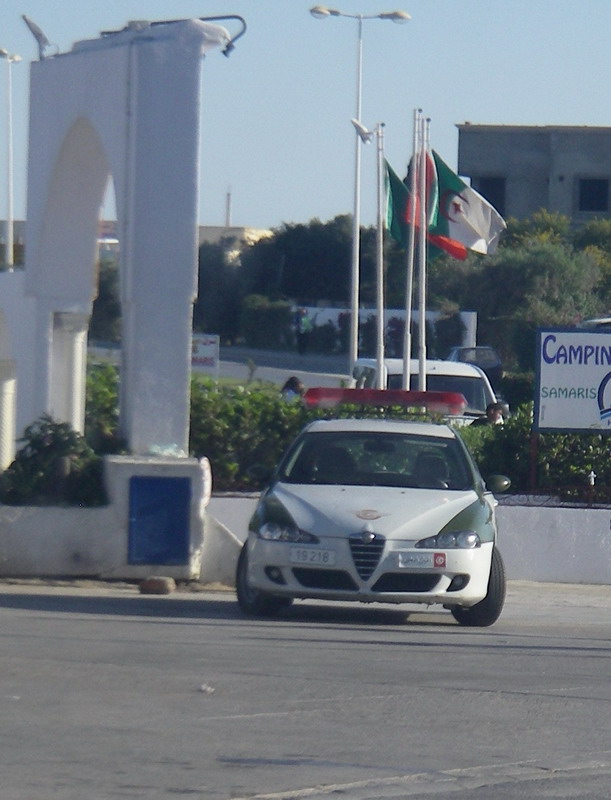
{"x":474,"y":389}
{"x":354,"y":458}
{"x":483,"y":356}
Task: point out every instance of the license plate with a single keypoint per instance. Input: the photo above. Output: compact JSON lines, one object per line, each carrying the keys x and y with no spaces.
{"x":311,"y":555}
{"x":416,"y":560}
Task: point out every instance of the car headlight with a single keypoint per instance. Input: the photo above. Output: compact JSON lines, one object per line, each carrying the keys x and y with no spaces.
{"x":462,"y":540}
{"x":278,"y":532}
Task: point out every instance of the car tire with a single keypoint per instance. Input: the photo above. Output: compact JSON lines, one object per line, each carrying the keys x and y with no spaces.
{"x":488,"y":610}
{"x":253,"y":602}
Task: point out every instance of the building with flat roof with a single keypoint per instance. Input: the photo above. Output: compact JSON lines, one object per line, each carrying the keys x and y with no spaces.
{"x":521,"y":169}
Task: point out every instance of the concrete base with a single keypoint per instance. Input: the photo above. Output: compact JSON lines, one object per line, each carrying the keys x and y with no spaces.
{"x":93,"y":542}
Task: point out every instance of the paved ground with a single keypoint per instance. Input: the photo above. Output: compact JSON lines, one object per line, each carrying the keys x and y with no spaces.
{"x":106,"y":694}
{"x":276,"y":366}
{"x":284,"y":359}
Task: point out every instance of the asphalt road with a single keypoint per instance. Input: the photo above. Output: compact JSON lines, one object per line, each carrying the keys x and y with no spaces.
{"x":276,"y":366}
{"x":106,"y":693}
{"x":273,"y":366}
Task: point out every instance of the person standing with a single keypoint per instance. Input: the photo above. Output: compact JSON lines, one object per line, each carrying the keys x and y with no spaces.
{"x":493,"y":416}
{"x":303,"y":326}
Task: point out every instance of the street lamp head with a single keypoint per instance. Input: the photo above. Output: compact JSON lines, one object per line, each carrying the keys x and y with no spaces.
{"x":396,"y":16}
{"x":10,"y":57}
{"x":41,"y":39}
{"x":321,"y":12}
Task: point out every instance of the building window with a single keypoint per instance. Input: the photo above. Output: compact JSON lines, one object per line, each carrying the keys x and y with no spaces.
{"x":594,"y":194}
{"x":493,"y":189}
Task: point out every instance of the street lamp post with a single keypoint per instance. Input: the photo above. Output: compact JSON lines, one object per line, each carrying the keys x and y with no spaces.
{"x":322,"y":12}
{"x":11,"y":58}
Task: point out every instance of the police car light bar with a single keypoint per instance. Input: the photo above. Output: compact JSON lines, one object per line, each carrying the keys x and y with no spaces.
{"x":441,"y":402}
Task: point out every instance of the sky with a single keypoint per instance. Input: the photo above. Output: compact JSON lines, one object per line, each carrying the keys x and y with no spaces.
{"x":275,"y":122}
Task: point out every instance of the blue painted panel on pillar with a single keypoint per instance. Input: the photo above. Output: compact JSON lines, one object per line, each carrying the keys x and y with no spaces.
{"x":159,"y":511}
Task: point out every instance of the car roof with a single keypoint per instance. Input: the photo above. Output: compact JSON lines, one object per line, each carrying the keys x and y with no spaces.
{"x":598,"y":322}
{"x":475,"y":347}
{"x":381,"y":426}
{"x":433,"y":367}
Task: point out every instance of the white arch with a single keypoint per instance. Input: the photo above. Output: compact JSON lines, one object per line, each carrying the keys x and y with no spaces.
{"x":126,"y":104}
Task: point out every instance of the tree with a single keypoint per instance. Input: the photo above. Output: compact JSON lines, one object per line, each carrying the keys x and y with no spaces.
{"x":217,"y":307}
{"x":105,"y":324}
{"x":304,"y":263}
{"x":543,"y":226}
{"x":594,"y":238}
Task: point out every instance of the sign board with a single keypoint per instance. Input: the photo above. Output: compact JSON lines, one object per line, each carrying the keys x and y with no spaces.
{"x":573,"y":387}
{"x":205,"y":354}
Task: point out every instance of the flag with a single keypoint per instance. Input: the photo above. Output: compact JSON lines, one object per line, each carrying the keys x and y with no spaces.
{"x":399,"y":211}
{"x":465,"y":219}
{"x":459,"y":218}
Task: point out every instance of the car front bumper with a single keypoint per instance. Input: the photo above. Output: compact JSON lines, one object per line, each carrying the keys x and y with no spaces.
{"x":399,"y":573}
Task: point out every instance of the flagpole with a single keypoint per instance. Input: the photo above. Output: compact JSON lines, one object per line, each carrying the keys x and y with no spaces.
{"x":356,"y":213}
{"x":411,"y":246}
{"x":380,"y":260}
{"x":422,"y":257}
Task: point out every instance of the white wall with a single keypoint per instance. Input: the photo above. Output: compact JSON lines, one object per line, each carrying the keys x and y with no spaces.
{"x":563,"y":545}
{"x":549,"y":545}
{"x":320,"y":316}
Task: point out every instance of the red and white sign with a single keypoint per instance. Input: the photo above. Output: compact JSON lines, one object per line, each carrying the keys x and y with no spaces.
{"x":205,"y":353}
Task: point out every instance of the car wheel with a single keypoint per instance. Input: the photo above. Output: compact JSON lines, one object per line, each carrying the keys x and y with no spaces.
{"x":488,"y":610}
{"x":252,"y":601}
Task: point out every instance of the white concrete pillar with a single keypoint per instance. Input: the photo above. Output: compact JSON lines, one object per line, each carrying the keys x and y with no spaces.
{"x":69,"y":368}
{"x":127,"y":105}
{"x":7,"y":412}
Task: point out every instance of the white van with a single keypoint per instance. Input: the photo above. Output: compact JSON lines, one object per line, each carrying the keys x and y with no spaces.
{"x":441,"y":376}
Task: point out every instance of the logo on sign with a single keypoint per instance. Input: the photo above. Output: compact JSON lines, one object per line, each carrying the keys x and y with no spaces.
{"x":604,"y":399}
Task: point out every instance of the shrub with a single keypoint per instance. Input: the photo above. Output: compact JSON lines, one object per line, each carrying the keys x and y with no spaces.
{"x":102,"y":409}
{"x":517,"y":388}
{"x":449,"y":331}
{"x":324,"y":338}
{"x":55,"y":466}
{"x":558,"y":464}
{"x":266,"y":323}
{"x":239,"y":428}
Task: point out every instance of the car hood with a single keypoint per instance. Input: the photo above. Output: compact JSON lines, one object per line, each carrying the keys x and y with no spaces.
{"x":337,"y":511}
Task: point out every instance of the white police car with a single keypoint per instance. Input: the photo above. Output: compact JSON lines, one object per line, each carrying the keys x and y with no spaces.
{"x":375,"y":510}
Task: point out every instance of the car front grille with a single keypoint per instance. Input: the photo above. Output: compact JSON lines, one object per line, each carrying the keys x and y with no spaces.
{"x":366,"y":554}
{"x":324,"y":579}
{"x":396,"y":582}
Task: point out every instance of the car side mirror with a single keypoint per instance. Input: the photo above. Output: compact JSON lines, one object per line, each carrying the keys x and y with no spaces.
{"x":497,"y":483}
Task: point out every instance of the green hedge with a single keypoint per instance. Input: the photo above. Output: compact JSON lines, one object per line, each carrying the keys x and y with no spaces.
{"x":557,"y":464}
{"x":240,"y":427}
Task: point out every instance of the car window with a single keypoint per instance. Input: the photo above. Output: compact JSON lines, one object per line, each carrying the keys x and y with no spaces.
{"x":473,"y":389}
{"x":365,"y":377}
{"x":377,"y":459}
